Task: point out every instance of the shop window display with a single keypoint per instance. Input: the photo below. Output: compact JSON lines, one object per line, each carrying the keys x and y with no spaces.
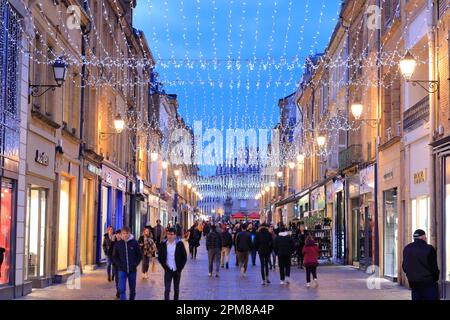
{"x":6,"y":214}
{"x":390,"y":233}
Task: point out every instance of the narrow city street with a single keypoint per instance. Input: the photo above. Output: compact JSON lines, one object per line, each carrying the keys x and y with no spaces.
{"x":335,"y":282}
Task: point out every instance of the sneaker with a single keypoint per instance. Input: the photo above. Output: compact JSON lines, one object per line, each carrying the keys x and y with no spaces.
{"x":308,"y":285}
{"x":217,"y":275}
{"x":281,"y":282}
{"x":287,"y":280}
{"x":268,"y":281}
{"x":143,"y":276}
{"x":210,"y":274}
{"x":245,"y":275}
{"x":315,"y":284}
{"x":242,"y":270}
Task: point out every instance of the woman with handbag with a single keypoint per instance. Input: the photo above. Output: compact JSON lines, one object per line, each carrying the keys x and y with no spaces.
{"x":148,"y":248}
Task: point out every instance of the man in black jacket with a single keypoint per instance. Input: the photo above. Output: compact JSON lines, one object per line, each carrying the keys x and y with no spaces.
{"x":421,"y":268}
{"x":243,"y":246}
{"x":227,"y":243}
{"x":115,"y":272}
{"x":213,"y":246}
{"x":172,"y":256}
{"x":264,"y":246}
{"x":284,"y":247}
{"x":127,"y":256}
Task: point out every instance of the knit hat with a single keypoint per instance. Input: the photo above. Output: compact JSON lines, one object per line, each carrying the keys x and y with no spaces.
{"x":418,"y":233}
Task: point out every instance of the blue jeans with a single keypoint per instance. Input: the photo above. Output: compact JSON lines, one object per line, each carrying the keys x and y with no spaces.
{"x":108,"y":266}
{"x":123,"y":276}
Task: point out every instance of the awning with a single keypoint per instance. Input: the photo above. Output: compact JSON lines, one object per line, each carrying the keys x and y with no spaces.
{"x":292,"y":198}
{"x":238,"y":215}
{"x":254,"y":216}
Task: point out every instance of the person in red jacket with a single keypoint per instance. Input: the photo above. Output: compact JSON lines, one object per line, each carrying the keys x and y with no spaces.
{"x":310,"y":261}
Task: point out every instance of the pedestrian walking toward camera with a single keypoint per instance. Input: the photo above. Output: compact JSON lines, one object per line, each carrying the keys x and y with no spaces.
{"x":243,"y":247}
{"x":158,"y":233}
{"x":107,"y":243}
{"x":148,"y":248}
{"x":213,"y":246}
{"x":264,"y":246}
{"x":236,"y":230}
{"x":421,"y":268}
{"x":115,"y":270}
{"x":127,"y":255}
{"x":252,"y":231}
{"x":301,"y":235}
{"x":273,"y":258}
{"x":227,"y":243}
{"x":172,"y":256}
{"x":310,"y":254}
{"x":284,"y":247}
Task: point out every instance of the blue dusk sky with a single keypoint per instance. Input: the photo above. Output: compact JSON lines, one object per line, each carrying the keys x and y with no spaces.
{"x":258,"y":31}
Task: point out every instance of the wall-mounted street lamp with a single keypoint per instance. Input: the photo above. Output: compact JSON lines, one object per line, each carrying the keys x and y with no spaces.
{"x":291,"y":165}
{"x":280,"y":174}
{"x":301,"y":158}
{"x":154,"y":156}
{"x":321,"y":141}
{"x":59,"y":74}
{"x":357,"y":110}
{"x":407,"y":68}
{"x":119,"y":126}
{"x":164,"y":164}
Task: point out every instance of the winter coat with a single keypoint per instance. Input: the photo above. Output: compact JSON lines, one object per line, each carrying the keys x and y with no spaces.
{"x":301,"y":238}
{"x":158,"y":233}
{"x":194,"y":237}
{"x":147,"y":245}
{"x":213,"y":241}
{"x":227,"y":239}
{"x":127,"y":255}
{"x":243,"y":241}
{"x":180,"y":255}
{"x":310,"y":254}
{"x":283,"y":244}
{"x":420,"y":264}
{"x":107,"y":243}
{"x":264,"y":242}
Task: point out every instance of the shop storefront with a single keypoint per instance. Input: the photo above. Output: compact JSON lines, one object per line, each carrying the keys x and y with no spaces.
{"x":390,"y":227}
{"x":66,"y":224}
{"x":339,"y":227}
{"x":113,"y":198}
{"x":355,"y":218}
{"x":6,"y":232}
{"x":366,"y":225}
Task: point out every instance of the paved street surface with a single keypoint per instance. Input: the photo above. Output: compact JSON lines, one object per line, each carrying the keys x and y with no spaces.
{"x":336,"y":282}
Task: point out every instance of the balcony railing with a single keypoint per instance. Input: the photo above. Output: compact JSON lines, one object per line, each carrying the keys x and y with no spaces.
{"x":443,"y":6}
{"x":350,"y":156}
{"x":417,"y":115}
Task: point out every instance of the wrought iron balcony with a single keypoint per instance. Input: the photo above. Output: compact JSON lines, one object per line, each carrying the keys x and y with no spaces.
{"x":417,"y":115}
{"x":350,"y":156}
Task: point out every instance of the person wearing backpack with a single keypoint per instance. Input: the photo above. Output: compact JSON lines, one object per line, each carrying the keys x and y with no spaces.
{"x":213,"y":246}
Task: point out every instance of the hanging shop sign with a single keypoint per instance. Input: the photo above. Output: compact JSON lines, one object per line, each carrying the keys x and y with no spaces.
{"x":42,"y":158}
{"x":94,"y":169}
{"x":420,"y":177}
{"x":338,"y":185}
{"x":318,"y":198}
{"x":367,"y":180}
{"x":108,"y":177}
{"x":388,"y":175}
{"x":353,"y":186}
{"x":121,"y":183}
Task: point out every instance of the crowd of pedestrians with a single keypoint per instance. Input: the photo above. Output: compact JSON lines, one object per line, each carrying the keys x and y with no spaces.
{"x":276,"y":246}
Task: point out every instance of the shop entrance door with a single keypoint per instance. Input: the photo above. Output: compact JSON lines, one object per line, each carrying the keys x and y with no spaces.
{"x":87,"y":224}
{"x":357,"y":235}
{"x":119,"y":209}
{"x":340,"y":228}
{"x":35,"y":233}
{"x":390,"y":233}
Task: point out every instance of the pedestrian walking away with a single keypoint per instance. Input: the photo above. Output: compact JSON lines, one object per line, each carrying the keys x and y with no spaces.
{"x":127,"y":256}
{"x":158,"y":233}
{"x":273,"y":260}
{"x":148,"y":248}
{"x":213,"y":246}
{"x":252,"y":231}
{"x":107,"y":243}
{"x":284,"y":247}
{"x":264,"y":246}
{"x":243,"y":247}
{"x":310,"y":253}
{"x":194,"y":240}
{"x":421,"y":268}
{"x":172,"y":256}
{"x":227,"y":243}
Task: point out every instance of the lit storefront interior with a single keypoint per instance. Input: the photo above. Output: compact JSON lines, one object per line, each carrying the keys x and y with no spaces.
{"x":64,"y":223}
{"x":6,"y":218}
{"x":390,"y":233}
{"x":87,"y":224}
{"x":35,"y":243}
